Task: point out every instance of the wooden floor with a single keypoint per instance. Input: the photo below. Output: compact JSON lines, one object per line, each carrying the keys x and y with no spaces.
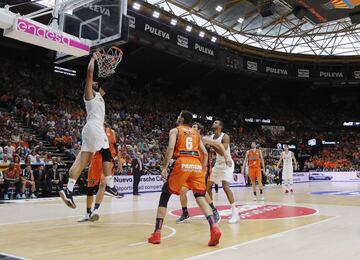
{"x":46,"y":229}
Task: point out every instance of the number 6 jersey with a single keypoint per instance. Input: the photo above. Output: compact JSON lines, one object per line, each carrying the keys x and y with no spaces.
{"x":187,"y":143}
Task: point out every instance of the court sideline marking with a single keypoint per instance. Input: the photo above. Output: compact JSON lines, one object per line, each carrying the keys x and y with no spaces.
{"x":173,"y":230}
{"x":237,"y":246}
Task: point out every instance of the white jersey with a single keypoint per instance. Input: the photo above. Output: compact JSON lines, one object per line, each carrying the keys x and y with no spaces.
{"x":93,"y":134}
{"x":222,"y":172}
{"x":287,"y":159}
{"x":219,"y":158}
{"x":95,"y":110}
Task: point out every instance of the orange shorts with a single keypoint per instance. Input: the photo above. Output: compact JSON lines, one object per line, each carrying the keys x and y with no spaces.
{"x":255,"y":174}
{"x":95,"y":171}
{"x":188,"y":172}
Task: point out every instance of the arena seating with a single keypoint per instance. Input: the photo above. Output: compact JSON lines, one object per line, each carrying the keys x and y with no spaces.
{"x":44,"y":128}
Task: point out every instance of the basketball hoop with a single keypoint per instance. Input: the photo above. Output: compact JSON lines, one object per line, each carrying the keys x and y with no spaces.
{"x":108,"y":60}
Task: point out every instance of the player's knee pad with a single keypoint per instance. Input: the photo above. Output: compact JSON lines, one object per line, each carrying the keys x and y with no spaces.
{"x":106,"y":155}
{"x":164,"y":199}
{"x":198,"y":195}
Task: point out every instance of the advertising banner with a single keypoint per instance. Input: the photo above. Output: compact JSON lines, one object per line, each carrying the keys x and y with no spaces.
{"x":335,"y":176}
{"x":277,"y":68}
{"x":148,"y":183}
{"x":170,"y":34}
{"x":300,"y":177}
{"x":153,"y":183}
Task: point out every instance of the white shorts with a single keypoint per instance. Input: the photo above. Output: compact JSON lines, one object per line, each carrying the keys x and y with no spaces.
{"x":287,"y":172}
{"x":287,"y":175}
{"x":93,"y":138}
{"x":221,"y":172}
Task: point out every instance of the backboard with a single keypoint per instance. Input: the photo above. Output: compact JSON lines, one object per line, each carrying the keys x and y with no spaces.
{"x":103,"y":22}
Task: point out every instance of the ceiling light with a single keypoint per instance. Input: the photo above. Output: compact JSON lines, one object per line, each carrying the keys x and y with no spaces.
{"x":173,"y":22}
{"x":188,"y":28}
{"x":240,"y":20}
{"x":156,"y":14}
{"x":201,"y":34}
{"x":136,"y":6}
{"x":213,"y":39}
{"x":219,"y":8}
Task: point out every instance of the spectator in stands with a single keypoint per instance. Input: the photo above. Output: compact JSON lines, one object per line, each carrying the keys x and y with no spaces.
{"x":28,"y":181}
{"x":40,"y":148}
{"x":5,"y":160}
{"x":32,"y":156}
{"x":39,"y":160}
{"x":12,"y":179}
{"x":39,"y":177}
{"x":21,"y":150}
{"x":1,"y":153}
{"x":54,"y":180}
{"x":9,"y":149}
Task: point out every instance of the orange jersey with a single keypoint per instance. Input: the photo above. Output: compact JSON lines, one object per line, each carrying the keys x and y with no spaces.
{"x":187,"y":143}
{"x":254,"y":159}
{"x":112,"y":141}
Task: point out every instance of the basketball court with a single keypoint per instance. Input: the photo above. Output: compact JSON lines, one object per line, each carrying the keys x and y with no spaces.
{"x":281,"y":227}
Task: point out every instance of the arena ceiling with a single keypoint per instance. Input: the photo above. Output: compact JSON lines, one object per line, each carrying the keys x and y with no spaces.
{"x":326,"y":28}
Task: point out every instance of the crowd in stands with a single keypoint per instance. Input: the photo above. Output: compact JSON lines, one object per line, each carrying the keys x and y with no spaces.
{"x":38,"y":106}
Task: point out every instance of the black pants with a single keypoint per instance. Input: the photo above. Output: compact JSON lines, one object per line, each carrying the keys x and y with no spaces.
{"x":7,"y":184}
{"x":137,"y":175}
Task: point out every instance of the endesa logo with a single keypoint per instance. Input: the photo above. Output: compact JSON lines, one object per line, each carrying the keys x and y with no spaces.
{"x":254,"y":212}
{"x":35,"y":30}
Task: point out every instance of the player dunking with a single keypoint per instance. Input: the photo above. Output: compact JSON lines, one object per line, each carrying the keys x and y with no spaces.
{"x":287,"y":158}
{"x":221,"y":171}
{"x":185,"y":146}
{"x":93,"y":138}
{"x":96,"y":180}
{"x":255,"y":162}
{"x":209,"y":143}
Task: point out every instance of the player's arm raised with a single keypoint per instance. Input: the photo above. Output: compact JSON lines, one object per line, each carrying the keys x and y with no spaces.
{"x":169,"y":151}
{"x":205,"y":154}
{"x":245,"y":162}
{"x":88,"y":91}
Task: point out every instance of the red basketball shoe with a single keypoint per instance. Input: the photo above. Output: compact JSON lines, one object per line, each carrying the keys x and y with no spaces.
{"x":215,"y":235}
{"x":155,"y":238}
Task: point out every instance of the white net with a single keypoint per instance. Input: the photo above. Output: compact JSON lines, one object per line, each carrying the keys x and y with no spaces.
{"x":108,"y":60}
